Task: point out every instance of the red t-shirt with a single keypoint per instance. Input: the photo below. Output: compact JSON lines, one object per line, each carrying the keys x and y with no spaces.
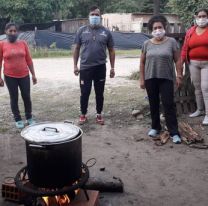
{"x":16,"y":57}
{"x":198,"y":46}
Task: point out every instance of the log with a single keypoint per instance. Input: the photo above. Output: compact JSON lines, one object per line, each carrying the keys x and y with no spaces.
{"x":164,"y":137}
{"x":111,"y":185}
{"x":188,"y":134}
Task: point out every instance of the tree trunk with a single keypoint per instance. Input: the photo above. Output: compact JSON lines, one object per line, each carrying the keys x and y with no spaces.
{"x":156,"y":7}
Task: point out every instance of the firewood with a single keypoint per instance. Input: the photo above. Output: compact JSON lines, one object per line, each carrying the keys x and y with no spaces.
{"x":188,"y":134}
{"x":164,"y":136}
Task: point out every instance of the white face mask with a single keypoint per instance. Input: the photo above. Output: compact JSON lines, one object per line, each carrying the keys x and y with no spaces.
{"x":158,"y":33}
{"x":201,"y":22}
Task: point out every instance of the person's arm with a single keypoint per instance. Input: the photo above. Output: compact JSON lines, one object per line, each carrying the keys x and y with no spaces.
{"x":112,"y":61}
{"x":76,"y":58}
{"x":141,"y":71}
{"x":179,"y":68}
{"x":32,"y":71}
{"x":29,"y":61}
{"x":1,"y":59}
{"x":1,"y":80}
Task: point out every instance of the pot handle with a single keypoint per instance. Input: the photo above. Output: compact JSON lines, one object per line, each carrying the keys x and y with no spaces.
{"x":37,"y":146}
{"x":68,"y":121}
{"x":50,"y":129}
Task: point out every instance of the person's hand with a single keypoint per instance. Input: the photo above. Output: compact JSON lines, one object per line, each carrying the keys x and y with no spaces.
{"x":179,"y":81}
{"x":1,"y":82}
{"x":76,"y":71}
{"x":112,"y":73}
{"x":142,"y":84}
{"x":34,"y":79}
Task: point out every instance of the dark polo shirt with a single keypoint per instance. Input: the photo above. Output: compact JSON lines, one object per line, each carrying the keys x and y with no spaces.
{"x":93,"y":42}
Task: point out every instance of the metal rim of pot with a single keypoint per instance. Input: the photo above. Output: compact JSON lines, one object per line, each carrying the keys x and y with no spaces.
{"x":51,"y":133}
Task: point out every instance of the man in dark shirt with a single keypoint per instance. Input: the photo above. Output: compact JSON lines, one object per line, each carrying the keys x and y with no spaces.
{"x":93,"y":40}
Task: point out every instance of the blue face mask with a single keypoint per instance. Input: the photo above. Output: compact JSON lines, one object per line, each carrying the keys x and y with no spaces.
{"x":94,"y":20}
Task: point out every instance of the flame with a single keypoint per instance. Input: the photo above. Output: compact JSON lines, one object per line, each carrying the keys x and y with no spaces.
{"x":58,"y":200}
{"x":62,"y":200}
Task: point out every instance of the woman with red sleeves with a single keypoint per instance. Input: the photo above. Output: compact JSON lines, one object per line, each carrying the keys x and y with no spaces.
{"x":195,"y":53}
{"x":17,"y":65}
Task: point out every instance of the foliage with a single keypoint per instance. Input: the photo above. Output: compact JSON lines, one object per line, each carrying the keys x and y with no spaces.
{"x":186,"y":9}
{"x":34,"y":11}
{"x":38,"y":11}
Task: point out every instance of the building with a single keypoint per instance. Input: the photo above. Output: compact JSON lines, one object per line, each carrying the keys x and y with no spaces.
{"x":137,"y":22}
{"x":72,"y":25}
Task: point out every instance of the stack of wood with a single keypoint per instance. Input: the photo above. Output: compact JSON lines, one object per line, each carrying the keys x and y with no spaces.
{"x":188,"y":135}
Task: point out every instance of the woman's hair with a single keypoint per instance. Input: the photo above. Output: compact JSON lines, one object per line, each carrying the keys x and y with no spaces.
{"x":204,"y":10}
{"x":157,"y":18}
{"x":10,"y":24}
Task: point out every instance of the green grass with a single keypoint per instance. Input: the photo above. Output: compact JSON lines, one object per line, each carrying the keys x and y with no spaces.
{"x":134,"y":75}
{"x":130,"y":52}
{"x":50,"y":53}
{"x":46,"y":53}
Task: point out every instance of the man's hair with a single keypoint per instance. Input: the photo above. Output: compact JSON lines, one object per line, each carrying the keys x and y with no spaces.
{"x":10,"y":24}
{"x":93,"y":8}
{"x":157,"y":18}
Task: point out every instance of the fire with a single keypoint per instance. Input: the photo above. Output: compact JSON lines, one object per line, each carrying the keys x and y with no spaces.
{"x":58,"y":200}
{"x":63,"y":200}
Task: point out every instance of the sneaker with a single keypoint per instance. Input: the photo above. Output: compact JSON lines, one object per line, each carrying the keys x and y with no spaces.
{"x":30,"y":121}
{"x":82,"y":119}
{"x":196,"y":113}
{"x":176,"y":139}
{"x":205,"y":121}
{"x":153,"y":133}
{"x":99,"y":119}
{"x":20,"y":124}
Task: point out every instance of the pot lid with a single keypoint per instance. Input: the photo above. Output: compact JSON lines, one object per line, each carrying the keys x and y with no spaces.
{"x":50,"y":132}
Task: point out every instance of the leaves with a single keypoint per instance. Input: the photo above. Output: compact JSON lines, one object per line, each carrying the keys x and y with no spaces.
{"x":186,"y":9}
{"x":30,"y":11}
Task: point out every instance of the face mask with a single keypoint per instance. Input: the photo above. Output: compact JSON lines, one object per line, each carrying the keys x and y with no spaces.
{"x":158,"y":33}
{"x":202,"y":22}
{"x":94,"y":20}
{"x":12,"y":37}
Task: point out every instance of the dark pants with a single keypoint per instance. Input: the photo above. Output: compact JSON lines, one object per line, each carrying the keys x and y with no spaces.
{"x":24,"y":85}
{"x":97,"y":74}
{"x":164,"y":88}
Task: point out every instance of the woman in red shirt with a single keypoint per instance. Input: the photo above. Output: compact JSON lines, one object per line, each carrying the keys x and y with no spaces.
{"x":195,"y":53}
{"x":17,"y":65}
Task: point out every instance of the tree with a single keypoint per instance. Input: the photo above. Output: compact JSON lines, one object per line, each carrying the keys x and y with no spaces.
{"x":38,"y":11}
{"x":186,"y":9}
{"x":156,"y":7}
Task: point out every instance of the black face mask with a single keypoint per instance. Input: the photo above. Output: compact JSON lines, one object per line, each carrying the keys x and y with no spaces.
{"x":12,"y":37}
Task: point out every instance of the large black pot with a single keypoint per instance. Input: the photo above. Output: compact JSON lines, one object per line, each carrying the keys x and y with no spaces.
{"x":54,"y":154}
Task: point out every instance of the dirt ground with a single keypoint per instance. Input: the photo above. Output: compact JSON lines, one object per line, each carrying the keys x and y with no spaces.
{"x":168,"y":175}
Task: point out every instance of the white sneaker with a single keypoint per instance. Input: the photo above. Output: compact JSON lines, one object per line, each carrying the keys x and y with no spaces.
{"x":196,"y":113}
{"x":205,"y":121}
